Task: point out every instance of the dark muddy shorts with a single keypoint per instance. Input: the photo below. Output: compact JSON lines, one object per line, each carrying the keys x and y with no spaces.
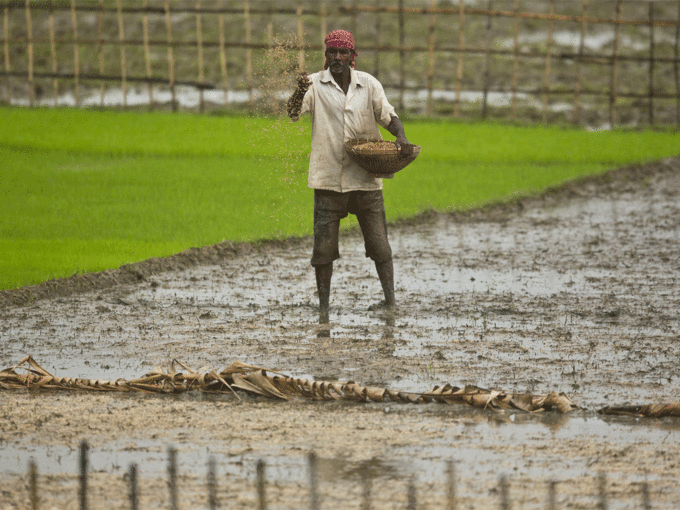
{"x":369,"y":208}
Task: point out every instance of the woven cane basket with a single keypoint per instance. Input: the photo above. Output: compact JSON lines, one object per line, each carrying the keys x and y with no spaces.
{"x":379,"y":158}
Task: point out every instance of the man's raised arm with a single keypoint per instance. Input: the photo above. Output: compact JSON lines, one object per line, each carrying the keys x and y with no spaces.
{"x":295,"y":101}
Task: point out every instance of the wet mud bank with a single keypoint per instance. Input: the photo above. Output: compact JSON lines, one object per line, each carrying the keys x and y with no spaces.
{"x":574,"y":291}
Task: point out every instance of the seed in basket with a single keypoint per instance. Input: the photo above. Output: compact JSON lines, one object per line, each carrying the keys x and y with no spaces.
{"x":377,"y":145}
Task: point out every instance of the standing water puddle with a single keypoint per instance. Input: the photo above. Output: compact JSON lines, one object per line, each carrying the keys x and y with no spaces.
{"x":428,"y":460}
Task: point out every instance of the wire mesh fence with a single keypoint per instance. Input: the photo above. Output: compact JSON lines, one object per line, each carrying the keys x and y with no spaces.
{"x":314,"y":499}
{"x":611,"y":62}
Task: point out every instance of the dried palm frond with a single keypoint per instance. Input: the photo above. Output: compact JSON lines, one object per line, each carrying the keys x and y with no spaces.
{"x":257,"y":380}
{"x":646,"y":411}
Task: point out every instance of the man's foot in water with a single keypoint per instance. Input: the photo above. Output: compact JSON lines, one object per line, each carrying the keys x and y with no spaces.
{"x":382,"y":306}
{"x":324,"y":316}
{"x":324,"y":330}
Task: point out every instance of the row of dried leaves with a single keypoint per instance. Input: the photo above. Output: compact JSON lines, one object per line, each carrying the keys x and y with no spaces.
{"x":268,"y":383}
{"x":646,"y":411}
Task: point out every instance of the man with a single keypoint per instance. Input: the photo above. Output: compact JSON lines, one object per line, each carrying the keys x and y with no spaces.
{"x":346,"y":104}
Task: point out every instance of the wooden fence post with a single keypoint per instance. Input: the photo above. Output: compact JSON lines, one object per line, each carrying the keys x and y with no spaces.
{"x":172,"y":477}
{"x":313,"y":492}
{"x":223,"y":56}
{"x":646,"y":504}
{"x":147,"y":55}
{"x":212,"y":484}
{"x":324,"y":21}
{"x":249,"y":52}
{"x":505,"y":493}
{"x":451,"y":483}
{"x":123,"y":60}
{"x":171,"y":56}
{"x":487,"y":60}
{"x":552,"y":495}
{"x":261,"y":486}
{"x":676,"y":68}
{"x":579,"y":66}
{"x":615,"y":60}
{"x":33,"y":485}
{"x":76,"y":54}
{"x":430,"y":68}
{"x":8,"y":67}
{"x":401,"y":55}
{"x":411,"y":495}
{"x":132,"y":487}
{"x":100,"y":49}
{"x":461,"y":53}
{"x":515,"y":63}
{"x":651,"y":63}
{"x":602,"y":492}
{"x":376,"y":53}
{"x":199,"y":44}
{"x":548,"y":54}
{"x":29,"y":30}
{"x":83,"y":468}
{"x":300,"y":37}
{"x":270,"y":29}
{"x":366,"y":493}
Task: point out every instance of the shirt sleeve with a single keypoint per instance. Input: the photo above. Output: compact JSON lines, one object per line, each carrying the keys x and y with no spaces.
{"x":308,"y":100}
{"x":382,"y":108}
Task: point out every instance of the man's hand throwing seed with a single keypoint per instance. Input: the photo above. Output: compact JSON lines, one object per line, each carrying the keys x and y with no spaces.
{"x":295,"y":101}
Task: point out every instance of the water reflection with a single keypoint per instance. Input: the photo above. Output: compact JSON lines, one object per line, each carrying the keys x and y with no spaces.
{"x":460,"y":427}
{"x":325,"y":325}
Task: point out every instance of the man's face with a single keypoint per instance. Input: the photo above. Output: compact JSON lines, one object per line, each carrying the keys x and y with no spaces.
{"x":338,"y":59}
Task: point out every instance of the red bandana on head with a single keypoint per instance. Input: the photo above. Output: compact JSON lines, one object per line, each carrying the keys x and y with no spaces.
{"x":340,"y":39}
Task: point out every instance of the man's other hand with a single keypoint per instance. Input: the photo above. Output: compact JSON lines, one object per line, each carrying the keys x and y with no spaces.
{"x":404,"y":146}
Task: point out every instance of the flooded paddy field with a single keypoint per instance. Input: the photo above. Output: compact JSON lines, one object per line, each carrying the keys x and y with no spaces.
{"x":574,"y":291}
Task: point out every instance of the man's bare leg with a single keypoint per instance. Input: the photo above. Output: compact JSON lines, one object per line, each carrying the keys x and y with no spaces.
{"x":324,"y":274}
{"x":386,"y":275}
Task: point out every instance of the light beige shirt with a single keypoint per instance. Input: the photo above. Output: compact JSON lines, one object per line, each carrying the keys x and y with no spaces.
{"x":337,"y":117}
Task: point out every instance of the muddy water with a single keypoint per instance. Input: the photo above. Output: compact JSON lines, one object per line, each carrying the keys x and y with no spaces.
{"x":574,"y":292}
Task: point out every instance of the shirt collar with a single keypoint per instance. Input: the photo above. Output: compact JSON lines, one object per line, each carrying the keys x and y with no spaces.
{"x":355,"y":79}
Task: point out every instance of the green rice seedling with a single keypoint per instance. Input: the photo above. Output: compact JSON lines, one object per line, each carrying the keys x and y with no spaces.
{"x":85,"y":191}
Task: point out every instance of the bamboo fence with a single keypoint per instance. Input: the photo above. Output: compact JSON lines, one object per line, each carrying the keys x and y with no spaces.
{"x":512,"y":49}
{"x":451,"y":499}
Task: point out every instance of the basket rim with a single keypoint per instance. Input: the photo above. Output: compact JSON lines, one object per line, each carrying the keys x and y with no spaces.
{"x":352,"y":143}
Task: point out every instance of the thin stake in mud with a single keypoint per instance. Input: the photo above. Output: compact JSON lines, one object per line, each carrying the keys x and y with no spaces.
{"x":646,"y":505}
{"x":505,"y":497}
{"x":313,"y":495}
{"x":261,"y":483}
{"x":83,"y":475}
{"x":33,"y":484}
{"x":552,"y":495}
{"x":366,"y":494}
{"x":412,"y":500}
{"x":172,"y":477}
{"x":451,"y":479}
{"x":133,"y":487}
{"x":262,"y":500}
{"x":602,"y":486}
{"x":212,"y":484}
